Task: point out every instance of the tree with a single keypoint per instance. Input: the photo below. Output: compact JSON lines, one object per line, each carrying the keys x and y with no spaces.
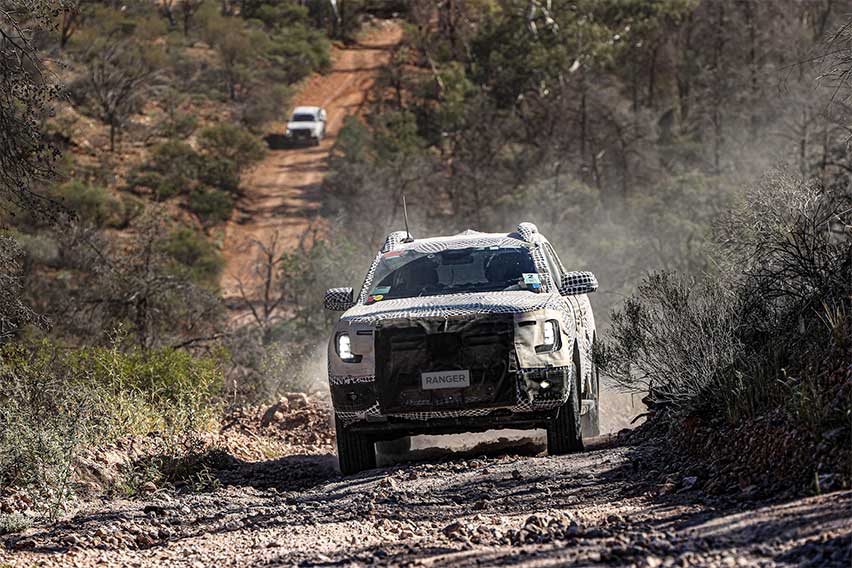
{"x":121,"y":67}
{"x":158,"y":282}
{"x":26,"y":93}
{"x":71,"y":15}
{"x":188,"y":9}
{"x":14,"y":313}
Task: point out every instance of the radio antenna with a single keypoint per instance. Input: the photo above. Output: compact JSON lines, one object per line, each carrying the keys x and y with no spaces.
{"x":408,"y":238}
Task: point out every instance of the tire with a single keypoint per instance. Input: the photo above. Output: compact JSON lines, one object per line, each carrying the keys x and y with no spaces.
{"x":564,"y":433}
{"x":355,"y":452}
{"x":394,"y":447}
{"x":590,"y":421}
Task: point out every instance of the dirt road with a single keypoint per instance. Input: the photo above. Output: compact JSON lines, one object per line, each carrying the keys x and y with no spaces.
{"x":282,"y":193}
{"x":488,"y":506}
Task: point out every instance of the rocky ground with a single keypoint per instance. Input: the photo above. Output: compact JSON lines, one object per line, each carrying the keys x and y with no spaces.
{"x":498,"y":503}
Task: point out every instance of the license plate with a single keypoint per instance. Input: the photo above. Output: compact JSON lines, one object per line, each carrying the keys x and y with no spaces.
{"x":445,"y":380}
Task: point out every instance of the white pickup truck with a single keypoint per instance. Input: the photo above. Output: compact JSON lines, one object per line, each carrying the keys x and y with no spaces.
{"x":307,"y":124}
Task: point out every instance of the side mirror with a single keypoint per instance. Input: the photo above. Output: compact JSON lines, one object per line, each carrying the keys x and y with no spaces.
{"x":338,"y":299}
{"x":577,"y":283}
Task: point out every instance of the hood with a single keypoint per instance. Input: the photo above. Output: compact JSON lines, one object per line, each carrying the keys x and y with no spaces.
{"x":292,"y":125}
{"x":453,"y":305}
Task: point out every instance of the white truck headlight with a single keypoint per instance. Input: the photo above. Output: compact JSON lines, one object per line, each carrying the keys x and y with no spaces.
{"x":344,"y":349}
{"x":552,"y":340}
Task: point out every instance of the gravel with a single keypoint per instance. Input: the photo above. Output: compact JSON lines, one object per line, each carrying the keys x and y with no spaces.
{"x":498,"y":508}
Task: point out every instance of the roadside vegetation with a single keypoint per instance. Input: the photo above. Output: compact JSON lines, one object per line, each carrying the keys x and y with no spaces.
{"x":125,"y":131}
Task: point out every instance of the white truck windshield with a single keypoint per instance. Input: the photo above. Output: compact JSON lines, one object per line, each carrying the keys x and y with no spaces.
{"x":408,"y":273}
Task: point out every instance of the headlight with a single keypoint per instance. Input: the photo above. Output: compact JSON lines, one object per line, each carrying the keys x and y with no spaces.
{"x":552,"y":340}
{"x":344,"y":349}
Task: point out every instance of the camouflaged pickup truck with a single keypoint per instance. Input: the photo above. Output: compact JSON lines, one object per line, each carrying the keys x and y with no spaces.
{"x":467,"y":333}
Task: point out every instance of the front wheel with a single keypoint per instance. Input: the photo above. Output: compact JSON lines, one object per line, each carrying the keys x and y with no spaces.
{"x":564,"y":433}
{"x":355,"y":452}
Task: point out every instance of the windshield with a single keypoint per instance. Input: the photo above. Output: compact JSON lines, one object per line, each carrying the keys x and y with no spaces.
{"x":303,"y":118}
{"x":407,"y":273}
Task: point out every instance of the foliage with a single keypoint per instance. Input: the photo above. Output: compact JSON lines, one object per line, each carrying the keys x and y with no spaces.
{"x":14,"y":313}
{"x":121,"y":66}
{"x":193,"y":252}
{"x":158,"y":284}
{"x":170,"y":170}
{"x":91,"y":204}
{"x":26,"y":94}
{"x":211,"y":205}
{"x":208,"y":176}
{"x":772,"y":330}
{"x":233,"y":144}
{"x":55,"y":403}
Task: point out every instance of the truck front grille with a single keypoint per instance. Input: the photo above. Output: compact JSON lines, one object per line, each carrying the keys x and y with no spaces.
{"x":484,"y":347}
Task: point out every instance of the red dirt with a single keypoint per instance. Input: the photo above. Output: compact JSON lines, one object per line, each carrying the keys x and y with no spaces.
{"x":282,"y":194}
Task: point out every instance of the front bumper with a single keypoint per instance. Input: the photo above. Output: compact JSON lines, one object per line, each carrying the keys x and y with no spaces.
{"x":357,"y":402}
{"x":509,"y":381}
{"x":300,"y":134}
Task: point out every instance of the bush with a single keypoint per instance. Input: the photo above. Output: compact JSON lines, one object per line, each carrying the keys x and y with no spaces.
{"x":232,"y":143}
{"x":220,"y":173}
{"x":171,"y":170}
{"x":211,"y":205}
{"x":54,"y":403}
{"x":191,"y":251}
{"x":93,"y":205}
{"x":770,"y":331}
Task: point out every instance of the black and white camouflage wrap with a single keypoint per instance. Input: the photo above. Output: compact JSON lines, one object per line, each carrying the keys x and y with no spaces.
{"x":578,"y":283}
{"x":572,"y":311}
{"x":338,"y":299}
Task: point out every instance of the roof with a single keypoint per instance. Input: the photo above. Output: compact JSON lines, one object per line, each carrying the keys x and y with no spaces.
{"x":467,"y":239}
{"x":308,"y":110}
{"x":526,"y":235}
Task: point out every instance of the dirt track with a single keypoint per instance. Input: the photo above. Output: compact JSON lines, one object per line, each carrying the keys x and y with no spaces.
{"x":489,"y":506}
{"x":281,"y":195}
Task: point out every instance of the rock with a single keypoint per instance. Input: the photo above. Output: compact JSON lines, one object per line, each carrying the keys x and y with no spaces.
{"x":454,"y":530}
{"x":143,"y":539}
{"x":613,"y":518}
{"x":275,"y":413}
{"x":148,"y":487}
{"x":25,"y":544}
{"x":297,"y":400}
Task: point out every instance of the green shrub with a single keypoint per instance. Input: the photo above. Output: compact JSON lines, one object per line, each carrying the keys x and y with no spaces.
{"x":220,"y":173}
{"x":192,"y":252}
{"x":232,"y":143}
{"x":55,"y":402}
{"x":171,"y":170}
{"x":93,"y":205}
{"x":211,"y":205}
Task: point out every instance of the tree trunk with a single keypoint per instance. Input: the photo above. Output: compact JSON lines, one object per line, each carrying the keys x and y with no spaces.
{"x":652,"y":76}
